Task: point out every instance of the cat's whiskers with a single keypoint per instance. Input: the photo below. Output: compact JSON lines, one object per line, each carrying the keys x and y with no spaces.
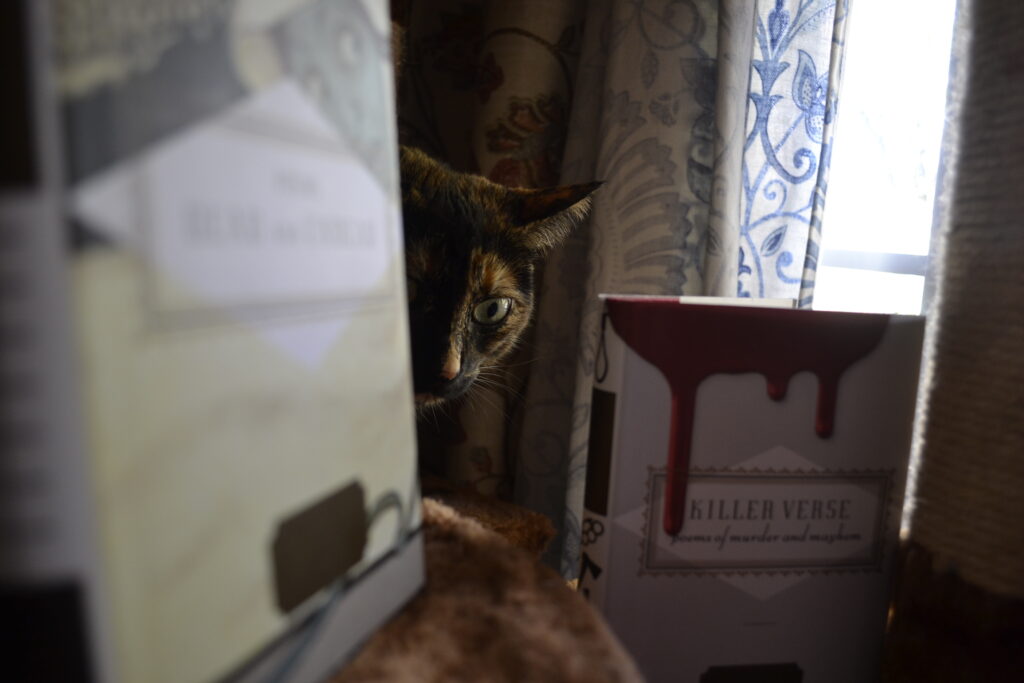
{"x":530,"y":346}
{"x":497,"y":377}
{"x":429,"y":410}
{"x":490,"y":392}
{"x":524,"y":363}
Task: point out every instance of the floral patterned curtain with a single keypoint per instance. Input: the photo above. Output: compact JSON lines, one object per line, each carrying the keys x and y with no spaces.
{"x":710,"y":122}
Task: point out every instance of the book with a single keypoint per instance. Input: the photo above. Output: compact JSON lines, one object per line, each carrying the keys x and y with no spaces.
{"x":744,"y":486}
{"x":206,"y":411}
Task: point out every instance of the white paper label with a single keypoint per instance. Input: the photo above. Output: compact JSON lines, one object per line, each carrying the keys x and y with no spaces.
{"x":249,"y":218}
{"x":250,"y":212}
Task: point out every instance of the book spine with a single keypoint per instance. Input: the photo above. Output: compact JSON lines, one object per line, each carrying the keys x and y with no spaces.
{"x":596,"y":526}
{"x":48,"y":575}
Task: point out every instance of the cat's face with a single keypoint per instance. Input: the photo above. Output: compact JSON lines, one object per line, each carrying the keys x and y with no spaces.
{"x":471,"y":247}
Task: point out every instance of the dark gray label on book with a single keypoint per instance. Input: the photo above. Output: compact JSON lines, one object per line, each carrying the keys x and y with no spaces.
{"x":318,"y":545}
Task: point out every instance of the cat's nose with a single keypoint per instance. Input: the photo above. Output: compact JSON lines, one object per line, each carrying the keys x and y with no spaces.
{"x":452,"y":365}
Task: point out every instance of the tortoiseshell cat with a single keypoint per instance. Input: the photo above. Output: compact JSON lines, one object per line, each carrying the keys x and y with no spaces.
{"x":471,"y":246}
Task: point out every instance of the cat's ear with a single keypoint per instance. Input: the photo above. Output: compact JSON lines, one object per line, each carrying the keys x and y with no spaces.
{"x":542,"y":219}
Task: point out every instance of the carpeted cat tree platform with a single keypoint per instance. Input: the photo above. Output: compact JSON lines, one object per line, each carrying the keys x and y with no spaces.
{"x":490,"y":611}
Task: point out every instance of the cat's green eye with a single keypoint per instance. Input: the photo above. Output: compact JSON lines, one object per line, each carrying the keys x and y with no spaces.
{"x":492,"y":311}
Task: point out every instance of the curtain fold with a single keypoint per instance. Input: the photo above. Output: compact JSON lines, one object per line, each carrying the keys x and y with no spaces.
{"x":710,"y":122}
{"x":795,"y":71}
{"x":735,"y":29}
{"x":643,"y":122}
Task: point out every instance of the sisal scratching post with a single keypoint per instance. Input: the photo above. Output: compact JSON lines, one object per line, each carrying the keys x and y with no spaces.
{"x":959,"y":612}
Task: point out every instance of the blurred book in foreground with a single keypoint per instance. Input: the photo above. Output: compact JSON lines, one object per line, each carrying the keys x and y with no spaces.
{"x":208,"y":457}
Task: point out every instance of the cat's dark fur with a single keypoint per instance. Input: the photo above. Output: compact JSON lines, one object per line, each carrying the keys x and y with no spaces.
{"x":471,"y":247}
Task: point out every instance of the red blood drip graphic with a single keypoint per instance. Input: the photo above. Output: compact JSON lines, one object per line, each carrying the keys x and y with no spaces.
{"x":689,"y":343}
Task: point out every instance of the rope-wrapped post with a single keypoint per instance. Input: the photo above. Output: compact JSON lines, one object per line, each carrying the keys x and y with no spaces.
{"x":959,"y":610}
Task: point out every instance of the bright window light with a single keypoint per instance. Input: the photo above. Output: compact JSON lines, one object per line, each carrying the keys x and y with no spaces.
{"x":869,"y":291}
{"x":877,"y":226}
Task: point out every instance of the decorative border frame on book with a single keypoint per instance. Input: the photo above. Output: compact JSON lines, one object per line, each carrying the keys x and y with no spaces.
{"x":876,"y":484}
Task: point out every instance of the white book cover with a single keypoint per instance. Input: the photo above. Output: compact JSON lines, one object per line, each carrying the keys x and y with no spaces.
{"x":744,"y":486}
{"x":216,"y":392}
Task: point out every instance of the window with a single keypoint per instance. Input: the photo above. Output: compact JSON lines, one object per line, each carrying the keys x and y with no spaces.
{"x":878,"y":227}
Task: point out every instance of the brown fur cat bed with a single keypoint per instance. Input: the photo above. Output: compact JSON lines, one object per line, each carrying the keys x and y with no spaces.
{"x":490,"y":611}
